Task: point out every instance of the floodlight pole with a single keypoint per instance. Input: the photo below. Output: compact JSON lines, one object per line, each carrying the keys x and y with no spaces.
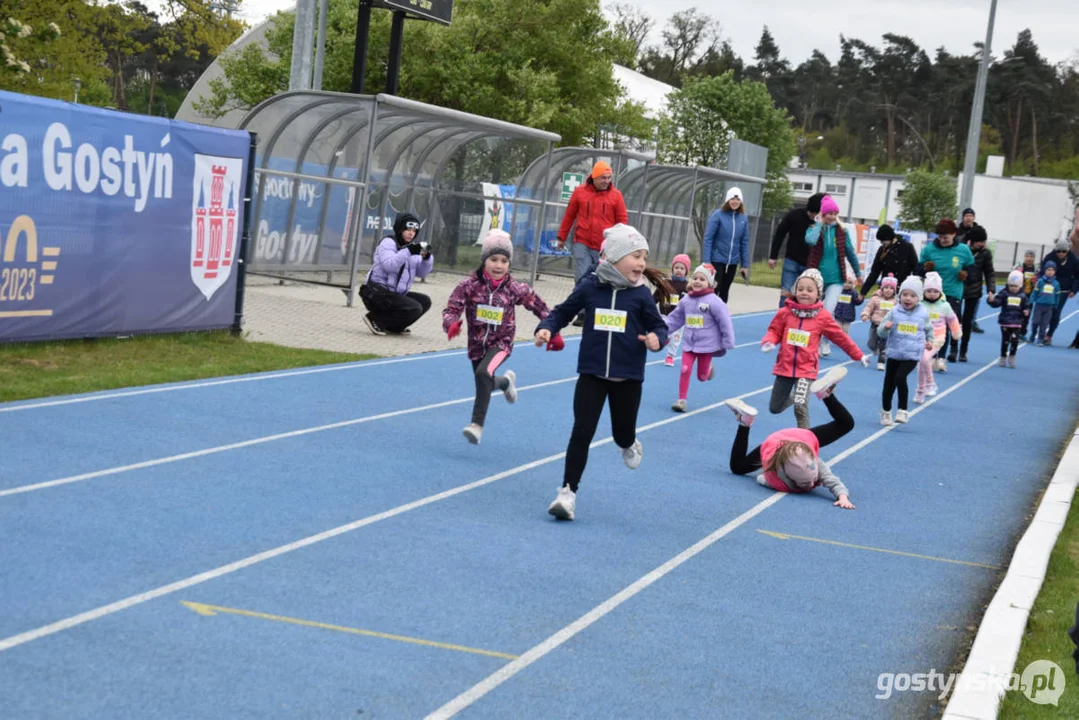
{"x":970,"y":164}
{"x":397,"y":37}
{"x":359,"y":57}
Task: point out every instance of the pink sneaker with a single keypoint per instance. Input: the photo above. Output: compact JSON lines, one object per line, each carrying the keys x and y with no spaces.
{"x":669,"y":361}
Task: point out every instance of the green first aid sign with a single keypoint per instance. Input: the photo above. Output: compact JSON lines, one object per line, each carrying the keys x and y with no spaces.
{"x":570,"y":181}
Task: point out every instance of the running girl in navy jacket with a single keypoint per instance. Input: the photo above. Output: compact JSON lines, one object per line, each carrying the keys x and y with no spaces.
{"x":621,"y":325}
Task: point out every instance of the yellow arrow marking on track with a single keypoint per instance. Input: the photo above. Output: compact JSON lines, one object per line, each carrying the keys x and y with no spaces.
{"x":211,"y":610}
{"x":785,"y":536}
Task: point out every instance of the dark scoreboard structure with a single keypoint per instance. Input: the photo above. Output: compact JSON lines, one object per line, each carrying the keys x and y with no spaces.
{"x":439,"y":11}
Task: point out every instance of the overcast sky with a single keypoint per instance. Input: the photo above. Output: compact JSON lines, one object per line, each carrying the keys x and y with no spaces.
{"x":799,"y":26}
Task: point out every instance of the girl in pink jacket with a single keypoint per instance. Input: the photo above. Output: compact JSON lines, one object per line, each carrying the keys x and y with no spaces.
{"x":708,"y":330}
{"x":790,"y":458}
{"x":487,"y":299}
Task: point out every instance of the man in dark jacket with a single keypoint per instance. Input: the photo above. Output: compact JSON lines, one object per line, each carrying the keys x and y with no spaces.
{"x":962,"y":235}
{"x":981,"y":272}
{"x":793,"y":228}
{"x":1067,"y":275}
{"x":895,"y":256}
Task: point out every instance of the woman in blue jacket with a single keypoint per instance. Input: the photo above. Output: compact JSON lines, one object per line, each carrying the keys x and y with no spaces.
{"x":726,"y":242}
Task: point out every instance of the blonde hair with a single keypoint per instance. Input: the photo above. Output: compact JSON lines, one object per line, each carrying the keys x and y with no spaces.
{"x":785,"y":452}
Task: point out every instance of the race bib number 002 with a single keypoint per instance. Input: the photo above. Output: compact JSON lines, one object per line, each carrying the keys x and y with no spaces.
{"x":798,"y":338}
{"x":610,"y":320}
{"x":1015,"y":302}
{"x":695,"y":321}
{"x":489,"y":314}
{"x":908,"y":328}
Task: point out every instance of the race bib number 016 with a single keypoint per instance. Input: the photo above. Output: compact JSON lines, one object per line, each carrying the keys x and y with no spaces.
{"x":695,"y":321}
{"x":610,"y":320}
{"x":908,"y":328}
{"x":844,"y":299}
{"x":1015,"y":302}
{"x":489,"y":314}
{"x":798,"y":338}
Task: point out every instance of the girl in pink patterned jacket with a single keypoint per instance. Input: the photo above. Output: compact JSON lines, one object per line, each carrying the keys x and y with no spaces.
{"x":487,"y":299}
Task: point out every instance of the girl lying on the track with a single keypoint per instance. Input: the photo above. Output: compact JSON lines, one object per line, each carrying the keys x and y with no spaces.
{"x":798,"y":329}
{"x":791,"y":458}
{"x":621,"y":324}
{"x":706,"y":322}
{"x":487,"y":299}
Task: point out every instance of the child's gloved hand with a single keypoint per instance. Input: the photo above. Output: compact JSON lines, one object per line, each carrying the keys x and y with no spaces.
{"x":865,"y":361}
{"x":556,"y":343}
{"x":543,"y":337}
{"x":768,"y":347}
{"x":454,"y":331}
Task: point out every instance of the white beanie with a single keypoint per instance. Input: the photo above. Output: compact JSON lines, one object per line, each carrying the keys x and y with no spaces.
{"x":913,"y":283}
{"x":622,"y":240}
{"x":497,"y":242}
{"x":1015,"y":278}
{"x":708,"y":272}
{"x":814,"y":275}
{"x":734,"y":193}
{"x":933,"y":281}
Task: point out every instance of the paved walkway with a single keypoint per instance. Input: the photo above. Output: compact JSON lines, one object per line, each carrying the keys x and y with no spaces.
{"x":314,"y":316}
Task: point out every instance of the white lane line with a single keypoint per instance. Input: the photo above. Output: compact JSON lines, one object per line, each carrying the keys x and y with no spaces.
{"x":492,"y":681}
{"x":133,"y":600}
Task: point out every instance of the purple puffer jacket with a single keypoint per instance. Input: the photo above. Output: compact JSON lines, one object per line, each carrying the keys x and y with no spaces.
{"x":396,"y":269}
{"x":707,"y":322}
{"x":476,"y":290}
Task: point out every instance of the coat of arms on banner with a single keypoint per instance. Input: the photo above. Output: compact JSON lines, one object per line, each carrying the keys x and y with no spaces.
{"x":215,"y":220}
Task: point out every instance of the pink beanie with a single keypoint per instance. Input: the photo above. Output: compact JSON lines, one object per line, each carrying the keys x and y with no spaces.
{"x":828,"y":205}
{"x":933,"y":281}
{"x":802,"y":469}
{"x":682,"y":258}
{"x":890,"y":280}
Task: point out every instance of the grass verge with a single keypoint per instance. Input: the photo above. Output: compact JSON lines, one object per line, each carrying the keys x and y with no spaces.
{"x":34,"y":370}
{"x":1047,"y":629}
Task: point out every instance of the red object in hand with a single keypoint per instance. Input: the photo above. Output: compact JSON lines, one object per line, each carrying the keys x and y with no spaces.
{"x":556,"y":343}
{"x":454,"y":331}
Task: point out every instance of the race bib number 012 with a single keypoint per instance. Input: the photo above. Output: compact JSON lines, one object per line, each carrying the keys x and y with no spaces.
{"x":695,"y":321}
{"x":489,"y":314}
{"x":798,"y":338}
{"x":610,"y":320}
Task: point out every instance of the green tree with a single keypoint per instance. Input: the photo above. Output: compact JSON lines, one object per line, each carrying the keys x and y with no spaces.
{"x":706,"y":113}
{"x":927,"y":197}
{"x":541,"y":63}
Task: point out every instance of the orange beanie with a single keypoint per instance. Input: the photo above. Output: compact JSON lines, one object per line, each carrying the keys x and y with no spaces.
{"x":600,"y":168}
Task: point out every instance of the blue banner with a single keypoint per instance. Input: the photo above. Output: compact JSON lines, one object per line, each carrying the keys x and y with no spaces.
{"x":113,"y":224}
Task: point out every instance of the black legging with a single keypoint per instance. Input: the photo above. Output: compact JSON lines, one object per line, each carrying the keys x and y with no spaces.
{"x":743,"y":463}
{"x":486,"y":382}
{"x":400,"y":311}
{"x":895,"y":377}
{"x":1009,"y":340}
{"x":724,"y":279}
{"x":970,"y":308}
{"x":623,"y":399}
{"x":951,"y":343}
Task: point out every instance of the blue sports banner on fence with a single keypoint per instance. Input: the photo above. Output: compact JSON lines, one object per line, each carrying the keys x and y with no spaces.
{"x":112,"y":224}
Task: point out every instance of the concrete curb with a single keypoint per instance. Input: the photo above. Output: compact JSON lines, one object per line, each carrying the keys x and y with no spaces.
{"x":980,"y":686}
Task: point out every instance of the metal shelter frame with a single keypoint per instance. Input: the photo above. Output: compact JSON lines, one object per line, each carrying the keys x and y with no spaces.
{"x":370,"y":146}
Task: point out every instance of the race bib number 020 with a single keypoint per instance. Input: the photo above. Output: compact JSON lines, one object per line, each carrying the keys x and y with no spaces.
{"x":908,"y":328}
{"x":489,"y":314}
{"x":798,"y":338}
{"x":610,"y":320}
{"x":695,"y":321}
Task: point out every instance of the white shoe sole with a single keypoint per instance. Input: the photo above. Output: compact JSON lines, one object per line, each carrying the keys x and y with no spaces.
{"x":739,"y":407}
{"x":560,"y":511}
{"x":472,"y":436}
{"x":511,"y":392}
{"x":830,"y":378}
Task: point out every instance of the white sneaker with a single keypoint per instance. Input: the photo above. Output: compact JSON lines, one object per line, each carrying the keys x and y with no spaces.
{"x":679,"y":406}
{"x":901,"y":416}
{"x":632,"y":455}
{"x":880,"y":366}
{"x":744,"y":413}
{"x":933,"y":390}
{"x":511,"y":390}
{"x":564,"y":504}
{"x":823,"y":386}
{"x":825,"y":349}
{"x":886,"y":418}
{"x":474,"y":433}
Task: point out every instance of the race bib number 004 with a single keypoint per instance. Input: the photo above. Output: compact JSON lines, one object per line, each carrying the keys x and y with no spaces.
{"x":610,"y":320}
{"x":489,"y":314}
{"x":908,"y":328}
{"x":1015,"y":302}
{"x":695,"y":321}
{"x":798,"y":338}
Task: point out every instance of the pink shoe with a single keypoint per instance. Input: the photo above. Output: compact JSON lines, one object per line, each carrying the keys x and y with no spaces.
{"x":669,"y":361}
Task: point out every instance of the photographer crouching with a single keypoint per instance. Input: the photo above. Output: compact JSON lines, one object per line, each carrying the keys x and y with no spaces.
{"x":387,"y":291}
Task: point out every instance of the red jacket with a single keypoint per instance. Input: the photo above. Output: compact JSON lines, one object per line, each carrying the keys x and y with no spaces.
{"x":797,"y":352}
{"x":594,"y":211}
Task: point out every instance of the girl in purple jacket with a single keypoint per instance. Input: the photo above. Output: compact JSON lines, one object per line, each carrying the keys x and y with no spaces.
{"x":708,"y":331}
{"x":487,"y":299}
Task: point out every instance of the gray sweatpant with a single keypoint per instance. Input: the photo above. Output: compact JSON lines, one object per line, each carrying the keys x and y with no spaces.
{"x":787,"y":391}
